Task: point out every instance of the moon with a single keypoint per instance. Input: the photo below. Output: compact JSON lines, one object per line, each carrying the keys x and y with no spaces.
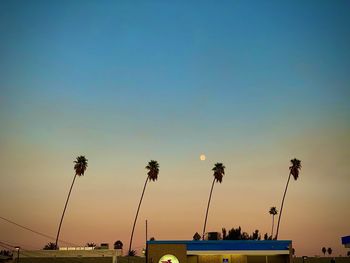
{"x":202,"y":157}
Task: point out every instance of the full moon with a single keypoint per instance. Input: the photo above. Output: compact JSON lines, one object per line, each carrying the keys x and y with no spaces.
{"x":202,"y":157}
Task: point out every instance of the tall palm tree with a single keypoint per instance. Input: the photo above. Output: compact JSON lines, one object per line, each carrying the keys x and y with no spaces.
{"x":80,"y":168}
{"x":293,"y":170}
{"x":273,"y":212}
{"x":152,"y":175}
{"x":219,"y":172}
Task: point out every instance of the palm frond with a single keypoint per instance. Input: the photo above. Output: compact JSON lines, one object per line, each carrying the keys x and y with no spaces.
{"x":153,"y":170}
{"x":219,"y":172}
{"x":80,"y":165}
{"x":273,"y":211}
{"x":295,"y":168}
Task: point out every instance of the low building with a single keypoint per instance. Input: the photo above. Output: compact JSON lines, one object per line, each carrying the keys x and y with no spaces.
{"x":69,"y":255}
{"x":346,"y":241}
{"x":220,"y":251}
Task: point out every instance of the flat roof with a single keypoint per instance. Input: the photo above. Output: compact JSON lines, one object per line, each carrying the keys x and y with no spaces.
{"x":229,"y":245}
{"x":345,"y":240}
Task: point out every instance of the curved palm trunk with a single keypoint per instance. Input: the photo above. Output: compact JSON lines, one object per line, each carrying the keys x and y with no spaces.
{"x":273,"y":222}
{"x":206,"y":215}
{"x":137,"y":213}
{"x":64,"y":211}
{"x":280,"y":215}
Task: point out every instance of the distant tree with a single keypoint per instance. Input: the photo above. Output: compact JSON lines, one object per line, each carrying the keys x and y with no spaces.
{"x":237,"y":234}
{"x":329,"y":250}
{"x":196,"y":236}
{"x":255,"y":235}
{"x":80,"y":168}
{"x":92,"y":244}
{"x":152,"y":239}
{"x":50,"y":246}
{"x":224,"y":233}
{"x":118,"y":244}
{"x":219,"y":172}
{"x":273,"y":212}
{"x":234,"y":234}
{"x":152,"y":175}
{"x":6,"y":253}
{"x":267,"y":237}
{"x":132,"y":253}
{"x":293,"y":170}
{"x":245,"y":236}
{"x":324,"y":250}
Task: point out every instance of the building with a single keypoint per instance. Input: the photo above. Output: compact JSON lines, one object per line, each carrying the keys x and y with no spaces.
{"x":69,"y":255}
{"x":346,"y":241}
{"x":220,"y":251}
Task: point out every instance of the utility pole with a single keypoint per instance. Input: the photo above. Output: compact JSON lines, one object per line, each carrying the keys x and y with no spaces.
{"x":146,"y":254}
{"x":146,"y":231}
{"x":17,"y":248}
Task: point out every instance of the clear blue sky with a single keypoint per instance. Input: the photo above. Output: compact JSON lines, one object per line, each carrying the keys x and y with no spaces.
{"x":127,"y":81}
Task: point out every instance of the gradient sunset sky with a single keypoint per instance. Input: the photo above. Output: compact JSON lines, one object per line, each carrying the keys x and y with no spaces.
{"x":251,"y":84}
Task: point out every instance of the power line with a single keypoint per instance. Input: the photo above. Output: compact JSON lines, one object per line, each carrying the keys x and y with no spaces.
{"x":46,"y":254}
{"x":3,"y":244}
{"x":36,"y":232}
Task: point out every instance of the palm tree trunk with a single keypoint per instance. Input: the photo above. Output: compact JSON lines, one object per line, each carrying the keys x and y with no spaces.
{"x":273,"y":222}
{"x":280,"y":215}
{"x":137,"y":213}
{"x":64,"y":211}
{"x":206,"y":215}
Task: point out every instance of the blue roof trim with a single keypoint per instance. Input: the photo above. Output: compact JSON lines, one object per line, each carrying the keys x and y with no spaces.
{"x":345,"y":240}
{"x":213,"y":245}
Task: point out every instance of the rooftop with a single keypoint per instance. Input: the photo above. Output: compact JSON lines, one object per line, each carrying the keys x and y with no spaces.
{"x":231,"y":245}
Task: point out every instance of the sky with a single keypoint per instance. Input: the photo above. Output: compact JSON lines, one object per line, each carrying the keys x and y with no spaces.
{"x":251,"y":84}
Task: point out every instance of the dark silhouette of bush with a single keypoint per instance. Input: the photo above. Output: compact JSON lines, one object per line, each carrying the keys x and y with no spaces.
{"x":237,"y":234}
{"x":118,"y":244}
{"x":196,"y":236}
{"x":50,"y":246}
{"x":92,"y":244}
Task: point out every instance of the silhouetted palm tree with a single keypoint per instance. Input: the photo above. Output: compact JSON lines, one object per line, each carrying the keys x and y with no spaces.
{"x":329,"y":250}
{"x":80,"y":168}
{"x":273,"y":212}
{"x":152,"y":175}
{"x":219,"y":172}
{"x":324,"y":250}
{"x":293,"y":170}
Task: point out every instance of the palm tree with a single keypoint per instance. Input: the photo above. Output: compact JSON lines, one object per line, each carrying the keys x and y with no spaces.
{"x":80,"y":168}
{"x":293,"y":170}
{"x":273,"y":212}
{"x":324,"y":250}
{"x":152,"y":175}
{"x":219,"y":172}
